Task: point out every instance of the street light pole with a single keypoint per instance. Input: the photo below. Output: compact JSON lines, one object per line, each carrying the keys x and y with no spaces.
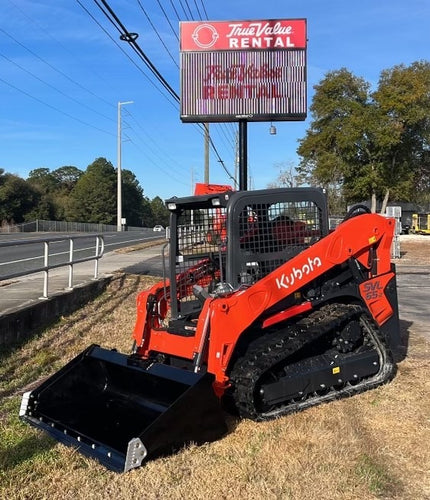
{"x":119,"y":182}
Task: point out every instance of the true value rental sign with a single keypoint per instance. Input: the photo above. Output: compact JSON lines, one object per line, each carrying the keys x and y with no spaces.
{"x":252,"y":70}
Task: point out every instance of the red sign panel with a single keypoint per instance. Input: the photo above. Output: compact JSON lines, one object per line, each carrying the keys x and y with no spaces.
{"x":243,"y":35}
{"x":253,"y":70}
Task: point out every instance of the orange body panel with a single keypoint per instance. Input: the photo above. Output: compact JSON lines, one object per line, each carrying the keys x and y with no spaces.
{"x":202,"y":188}
{"x":373,"y":295}
{"x":229,"y":316}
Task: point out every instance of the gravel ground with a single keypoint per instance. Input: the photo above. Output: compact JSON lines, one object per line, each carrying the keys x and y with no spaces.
{"x":414,"y":250}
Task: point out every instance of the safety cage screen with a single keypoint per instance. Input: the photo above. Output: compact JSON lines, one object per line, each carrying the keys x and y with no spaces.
{"x":200,"y":254}
{"x":268,"y":233}
{"x":220,"y":248}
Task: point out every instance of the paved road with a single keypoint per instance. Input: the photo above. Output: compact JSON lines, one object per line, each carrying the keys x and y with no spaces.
{"x":413,"y":289}
{"x":29,"y":256}
{"x":22,"y":292}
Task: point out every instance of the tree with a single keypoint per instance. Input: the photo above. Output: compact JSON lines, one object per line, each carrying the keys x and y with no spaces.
{"x":160,"y":212}
{"x":147,"y":215}
{"x":67,"y":177}
{"x":132,"y":199}
{"x":93,"y":199}
{"x":42,"y":181}
{"x":17,"y":198}
{"x":288,"y":176}
{"x":359,"y":140}
{"x":54,"y":188}
{"x":336,"y":146}
{"x":403,"y":96}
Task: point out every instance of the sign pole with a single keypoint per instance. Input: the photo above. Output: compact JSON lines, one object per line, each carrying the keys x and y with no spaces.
{"x":243,"y":155}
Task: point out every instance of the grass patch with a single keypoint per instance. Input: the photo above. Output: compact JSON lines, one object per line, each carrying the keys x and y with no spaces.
{"x":19,"y":446}
{"x":375,"y":475}
{"x":371,"y":446}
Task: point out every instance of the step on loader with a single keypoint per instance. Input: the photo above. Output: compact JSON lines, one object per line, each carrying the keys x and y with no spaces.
{"x":262,"y":312}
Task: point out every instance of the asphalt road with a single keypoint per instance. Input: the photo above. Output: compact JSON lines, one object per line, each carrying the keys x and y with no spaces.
{"x":29,"y":256}
{"x":413,"y":291}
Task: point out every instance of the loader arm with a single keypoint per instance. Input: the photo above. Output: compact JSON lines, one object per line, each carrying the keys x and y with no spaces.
{"x":366,"y":239}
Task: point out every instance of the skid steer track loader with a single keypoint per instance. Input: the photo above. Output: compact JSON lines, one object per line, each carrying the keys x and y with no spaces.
{"x":264,"y":312}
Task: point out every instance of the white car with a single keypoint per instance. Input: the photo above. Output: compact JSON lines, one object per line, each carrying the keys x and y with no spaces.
{"x":158,"y":227}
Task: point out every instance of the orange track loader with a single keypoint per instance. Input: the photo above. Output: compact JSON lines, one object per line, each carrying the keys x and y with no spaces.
{"x":275,"y":315}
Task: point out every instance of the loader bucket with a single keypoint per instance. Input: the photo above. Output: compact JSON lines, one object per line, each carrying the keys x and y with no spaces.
{"x":119,"y":412}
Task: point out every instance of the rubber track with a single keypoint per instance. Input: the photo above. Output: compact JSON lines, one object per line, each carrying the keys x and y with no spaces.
{"x":268,"y":351}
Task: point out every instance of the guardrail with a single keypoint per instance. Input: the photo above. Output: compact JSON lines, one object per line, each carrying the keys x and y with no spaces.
{"x":48,"y":265}
{"x":49,"y":226}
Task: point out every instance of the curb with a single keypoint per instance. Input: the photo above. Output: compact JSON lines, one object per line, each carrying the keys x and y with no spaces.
{"x":18,"y":325}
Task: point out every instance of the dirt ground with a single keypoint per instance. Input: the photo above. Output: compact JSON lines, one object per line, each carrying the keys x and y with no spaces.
{"x":414,"y":250}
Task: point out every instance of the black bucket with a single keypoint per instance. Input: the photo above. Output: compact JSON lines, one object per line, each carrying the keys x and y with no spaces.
{"x":121,"y":413}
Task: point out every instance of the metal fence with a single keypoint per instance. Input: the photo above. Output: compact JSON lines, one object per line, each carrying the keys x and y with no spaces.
{"x":48,"y":262}
{"x":48,"y":226}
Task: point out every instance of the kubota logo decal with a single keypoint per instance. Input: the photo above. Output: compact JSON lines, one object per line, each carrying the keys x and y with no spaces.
{"x":287,"y":280}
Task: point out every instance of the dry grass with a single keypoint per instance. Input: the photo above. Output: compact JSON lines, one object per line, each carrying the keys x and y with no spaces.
{"x":375,"y":445}
{"x":141,"y":246}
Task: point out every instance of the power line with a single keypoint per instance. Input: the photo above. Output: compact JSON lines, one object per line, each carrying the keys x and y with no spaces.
{"x":55,"y":108}
{"x":157,"y":33}
{"x":60,"y":44}
{"x":130,"y":38}
{"x":168,"y":20}
{"x":171,"y":159}
{"x":53,"y":67}
{"x":198,"y":10}
{"x":183,"y":9}
{"x":204,"y":10}
{"x":174,"y":8}
{"x":55,"y":88}
{"x":189,"y":10}
{"x":63,"y":93}
{"x":123,"y":33}
{"x":125,"y":53}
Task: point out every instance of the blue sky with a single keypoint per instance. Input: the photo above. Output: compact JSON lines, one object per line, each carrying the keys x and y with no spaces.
{"x":62,"y":76}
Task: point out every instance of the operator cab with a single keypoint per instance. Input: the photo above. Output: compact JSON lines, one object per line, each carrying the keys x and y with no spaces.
{"x":221,"y":241}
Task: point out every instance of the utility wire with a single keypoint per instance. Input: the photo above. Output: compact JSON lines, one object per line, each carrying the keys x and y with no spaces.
{"x":136,"y":49}
{"x":168,"y":20}
{"x":54,"y":108}
{"x":63,"y":47}
{"x":55,"y":88}
{"x":125,"y":53}
{"x":198,"y":10}
{"x":128,"y":37}
{"x":184,"y":11}
{"x":174,"y":8}
{"x":223,"y":127}
{"x":189,"y":10}
{"x":64,"y":94}
{"x":52,"y":67}
{"x":204,"y":9}
{"x":158,"y":34}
